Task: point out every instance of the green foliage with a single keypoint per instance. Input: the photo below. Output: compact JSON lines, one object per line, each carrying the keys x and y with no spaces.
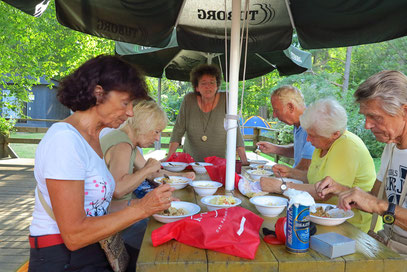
{"x":36,"y":47}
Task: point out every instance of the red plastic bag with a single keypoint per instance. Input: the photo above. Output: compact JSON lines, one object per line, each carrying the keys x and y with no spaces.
{"x":181,"y":157}
{"x":217,"y":172}
{"x":233,"y":231}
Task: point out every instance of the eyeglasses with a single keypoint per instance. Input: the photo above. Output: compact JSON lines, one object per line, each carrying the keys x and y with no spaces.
{"x":207,"y":83}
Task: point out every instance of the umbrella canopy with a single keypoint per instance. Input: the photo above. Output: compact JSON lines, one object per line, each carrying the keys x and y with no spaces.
{"x":200,"y":24}
{"x":177,"y":63}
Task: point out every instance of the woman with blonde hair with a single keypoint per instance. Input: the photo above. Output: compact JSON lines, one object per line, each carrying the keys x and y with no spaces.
{"x":122,"y":149}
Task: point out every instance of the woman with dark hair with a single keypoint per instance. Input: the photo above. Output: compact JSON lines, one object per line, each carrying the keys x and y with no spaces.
{"x":74,"y":186}
{"x":201,"y":118}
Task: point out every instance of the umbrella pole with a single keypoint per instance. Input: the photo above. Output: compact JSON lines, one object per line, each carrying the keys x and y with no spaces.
{"x":233,"y":96}
{"x":157,"y":144}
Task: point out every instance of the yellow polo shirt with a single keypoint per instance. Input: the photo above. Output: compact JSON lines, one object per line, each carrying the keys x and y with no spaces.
{"x":349,"y":163}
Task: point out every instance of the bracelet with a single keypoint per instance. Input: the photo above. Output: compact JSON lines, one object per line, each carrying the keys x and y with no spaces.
{"x":129,"y":202}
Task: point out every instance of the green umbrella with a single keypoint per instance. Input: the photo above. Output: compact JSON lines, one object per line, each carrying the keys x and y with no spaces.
{"x":200,"y":23}
{"x":177,"y":63}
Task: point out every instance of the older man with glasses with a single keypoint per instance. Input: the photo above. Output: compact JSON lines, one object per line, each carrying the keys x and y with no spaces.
{"x":383,"y":102}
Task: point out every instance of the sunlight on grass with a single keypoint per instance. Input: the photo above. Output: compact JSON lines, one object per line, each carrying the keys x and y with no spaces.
{"x":28,"y":150}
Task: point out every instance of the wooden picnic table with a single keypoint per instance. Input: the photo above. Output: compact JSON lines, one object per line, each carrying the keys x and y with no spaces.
{"x":174,"y":256}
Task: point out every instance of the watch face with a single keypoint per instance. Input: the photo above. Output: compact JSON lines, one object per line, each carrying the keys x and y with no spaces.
{"x":388,"y":219}
{"x":283,"y":187}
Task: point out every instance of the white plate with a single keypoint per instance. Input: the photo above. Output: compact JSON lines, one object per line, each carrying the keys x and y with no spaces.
{"x":211,"y":207}
{"x":174,"y":166}
{"x":292,"y":180}
{"x":257,"y":162}
{"x":177,"y":182}
{"x":199,"y":167}
{"x":191,"y":209}
{"x":338,"y":216}
{"x":262,"y":205}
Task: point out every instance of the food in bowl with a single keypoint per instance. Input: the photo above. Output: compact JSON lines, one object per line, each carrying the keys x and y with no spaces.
{"x":177,"y":182}
{"x":205,"y":187}
{"x":174,"y":166}
{"x":189,"y":208}
{"x":223,"y":200}
{"x":173,"y":180}
{"x":320,"y":212}
{"x":172,"y":211}
{"x":258,"y":173}
{"x":220,"y":202}
{"x":269,"y":206}
{"x":336,"y":216}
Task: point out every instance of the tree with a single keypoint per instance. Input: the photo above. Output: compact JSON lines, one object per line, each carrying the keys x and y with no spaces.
{"x":38,"y":47}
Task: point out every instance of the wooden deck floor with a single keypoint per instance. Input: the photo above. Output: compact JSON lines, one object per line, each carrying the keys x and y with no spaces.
{"x":17,"y":185}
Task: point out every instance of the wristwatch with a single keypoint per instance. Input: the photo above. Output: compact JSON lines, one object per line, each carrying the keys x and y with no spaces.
{"x":388,"y":216}
{"x":283,"y":186}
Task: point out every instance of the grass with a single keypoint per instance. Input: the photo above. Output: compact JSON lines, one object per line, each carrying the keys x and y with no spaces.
{"x":28,"y":150}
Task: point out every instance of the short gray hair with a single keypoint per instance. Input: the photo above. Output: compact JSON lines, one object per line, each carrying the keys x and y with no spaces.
{"x":388,"y":87}
{"x":325,"y":116}
{"x":287,"y":94}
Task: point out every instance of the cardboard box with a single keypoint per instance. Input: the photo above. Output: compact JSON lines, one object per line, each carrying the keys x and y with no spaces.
{"x":332,"y":244}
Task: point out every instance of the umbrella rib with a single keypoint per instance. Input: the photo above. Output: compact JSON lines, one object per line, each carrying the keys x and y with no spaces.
{"x":265,"y":60}
{"x":289,"y":13}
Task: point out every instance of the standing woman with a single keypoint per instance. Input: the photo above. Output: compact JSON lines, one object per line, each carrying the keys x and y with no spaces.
{"x":72,"y":177}
{"x":201,"y":118}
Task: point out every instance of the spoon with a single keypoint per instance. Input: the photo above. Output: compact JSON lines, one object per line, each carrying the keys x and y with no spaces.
{"x":257,"y":151}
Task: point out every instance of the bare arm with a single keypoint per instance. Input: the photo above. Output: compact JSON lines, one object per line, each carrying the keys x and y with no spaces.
{"x":282,"y":150}
{"x":241,"y":151}
{"x":357,"y":198}
{"x":78,"y":230}
{"x":118,"y":159}
{"x":289,"y":172}
{"x":328,"y":186}
{"x":273,"y":185}
{"x":303,"y":164}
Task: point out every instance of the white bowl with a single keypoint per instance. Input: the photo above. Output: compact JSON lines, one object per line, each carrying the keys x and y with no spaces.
{"x":189,"y":207}
{"x":205,"y":187}
{"x":338,"y":216}
{"x":177,"y":182}
{"x":269,"y":206}
{"x":174,"y":166}
{"x":211,"y":207}
{"x":199,"y":167}
{"x":254,"y":173}
{"x":254,"y":163}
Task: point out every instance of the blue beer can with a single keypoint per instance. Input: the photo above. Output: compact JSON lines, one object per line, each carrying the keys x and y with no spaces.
{"x":297,"y":233}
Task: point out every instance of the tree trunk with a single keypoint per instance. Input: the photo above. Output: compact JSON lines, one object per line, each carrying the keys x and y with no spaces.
{"x":345,"y":85}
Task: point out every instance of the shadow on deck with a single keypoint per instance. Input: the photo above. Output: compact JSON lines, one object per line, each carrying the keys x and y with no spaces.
{"x":17,"y":186}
